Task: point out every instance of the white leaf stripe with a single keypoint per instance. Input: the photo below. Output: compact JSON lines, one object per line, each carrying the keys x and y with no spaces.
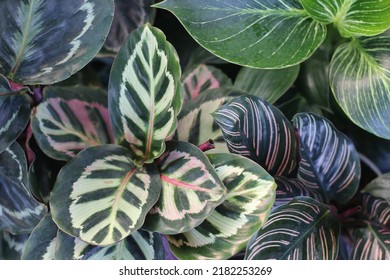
{"x":191,"y":190}
{"x":329,"y":160}
{"x":108,"y":200}
{"x":144,"y":93}
{"x":255,"y":129}
{"x":301,"y":229}
{"x":250,"y":196}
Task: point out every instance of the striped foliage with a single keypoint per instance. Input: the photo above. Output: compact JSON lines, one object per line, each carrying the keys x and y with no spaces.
{"x":289,"y":188}
{"x":250,"y":195}
{"x":372,"y":238}
{"x":196,"y":124}
{"x":380,"y":187}
{"x":71,"y":119}
{"x":360,"y":81}
{"x":48,"y":41}
{"x":145,"y":93}
{"x":101,"y":196}
{"x":267,"y":84}
{"x":303,"y":229}
{"x":255,"y":129}
{"x":129,"y":15}
{"x":41,"y":245}
{"x":203,"y":78}
{"x":352,"y":17}
{"x":14,"y":116}
{"x":12,"y":246}
{"x":140,"y":245}
{"x":329,"y":160}
{"x":260,"y":34}
{"x":19,"y":211}
{"x":8,"y":87}
{"x":191,"y":189}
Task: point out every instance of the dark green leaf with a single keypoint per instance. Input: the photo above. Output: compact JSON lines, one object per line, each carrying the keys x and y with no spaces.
{"x":47,"y":41}
{"x":7,"y":87}
{"x":303,"y":229}
{"x":145,"y":93}
{"x":12,"y":246}
{"x":267,"y":34}
{"x":267,"y":84}
{"x":101,"y":196}
{"x":329,"y":160}
{"x":255,"y":129}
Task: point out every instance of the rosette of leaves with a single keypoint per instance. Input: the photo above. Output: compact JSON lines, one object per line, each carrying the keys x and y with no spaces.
{"x":278,"y":34}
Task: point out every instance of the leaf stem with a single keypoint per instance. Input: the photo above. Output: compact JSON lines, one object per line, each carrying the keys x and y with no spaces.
{"x":206,"y":146}
{"x":350,"y":212}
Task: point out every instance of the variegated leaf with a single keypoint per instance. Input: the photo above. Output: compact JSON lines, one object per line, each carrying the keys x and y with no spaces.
{"x":145,"y":93}
{"x":41,"y":245}
{"x":259,"y":34}
{"x":12,"y":246}
{"x":353,"y":18}
{"x":19,"y":211}
{"x":380,"y":187}
{"x":250,"y":196}
{"x":129,"y":15}
{"x":71,"y":119}
{"x":140,"y":245}
{"x":101,"y":196}
{"x":372,"y":238}
{"x":360,"y":80}
{"x":267,"y":84}
{"x":14,"y":116}
{"x":329,"y":160}
{"x":191,"y":189}
{"x":48,"y":41}
{"x":303,"y":229}
{"x":8,"y":87}
{"x":289,"y":188}
{"x":255,"y":129}
{"x":196,"y":124}
{"x":203,"y":78}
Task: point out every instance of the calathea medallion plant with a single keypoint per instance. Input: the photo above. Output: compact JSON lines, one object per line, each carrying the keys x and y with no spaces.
{"x":113,"y":148}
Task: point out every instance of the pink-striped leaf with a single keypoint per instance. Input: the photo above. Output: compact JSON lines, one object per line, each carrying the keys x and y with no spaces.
{"x":203,"y":78}
{"x":329,"y":160}
{"x":250,"y":196}
{"x":191,"y":189}
{"x":145,"y":93}
{"x":255,"y":129}
{"x":372,"y":235}
{"x":289,"y":188}
{"x":71,"y":119}
{"x":303,"y":229}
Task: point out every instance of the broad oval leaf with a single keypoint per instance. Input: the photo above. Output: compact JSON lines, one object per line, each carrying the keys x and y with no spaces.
{"x":303,"y":229}
{"x":15,"y":114}
{"x":191,"y":189}
{"x":129,"y":15}
{"x":266,"y":34}
{"x":196,"y":124}
{"x":353,"y":18}
{"x":372,"y":238}
{"x":250,"y":196}
{"x":19,"y":211}
{"x":71,"y":119}
{"x":360,"y":81}
{"x":380,"y":187}
{"x":140,"y":245}
{"x":267,"y":84}
{"x":46,"y":42}
{"x":101,"y":196}
{"x":12,"y":246}
{"x":145,"y":93}
{"x":203,"y":78}
{"x":41,"y":245}
{"x":329,"y":159}
{"x":289,"y":188}
{"x":255,"y":129}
